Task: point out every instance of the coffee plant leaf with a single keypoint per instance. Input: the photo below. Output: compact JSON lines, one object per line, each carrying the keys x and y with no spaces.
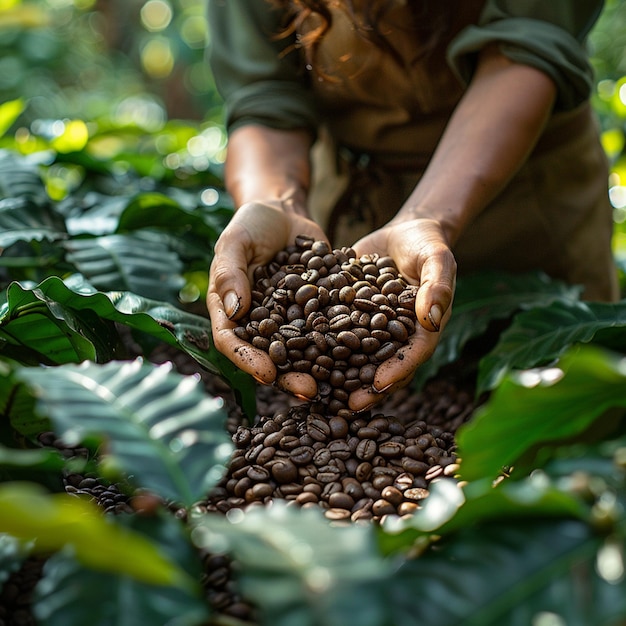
{"x":9,"y":112}
{"x":17,"y":409}
{"x":298,"y":568}
{"x":155,"y":426}
{"x":31,"y":460}
{"x":23,"y":220}
{"x":20,"y":178}
{"x":542,"y":406}
{"x":55,"y":521}
{"x":12,"y":554}
{"x":539,"y":336}
{"x":144,"y":265}
{"x":509,"y":573}
{"x":31,"y":333}
{"x":69,"y":594}
{"x":486,"y":297}
{"x":476,"y":503}
{"x":47,"y":316}
{"x":158,"y":210}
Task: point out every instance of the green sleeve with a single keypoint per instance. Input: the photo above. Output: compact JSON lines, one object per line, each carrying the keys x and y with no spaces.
{"x":256,"y":82}
{"x":546,"y":34}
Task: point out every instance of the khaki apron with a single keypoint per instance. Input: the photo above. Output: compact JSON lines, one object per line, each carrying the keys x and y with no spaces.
{"x":383,"y":122}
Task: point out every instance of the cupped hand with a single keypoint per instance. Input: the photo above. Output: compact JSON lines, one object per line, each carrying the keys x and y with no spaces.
{"x":257,"y":231}
{"x":423,"y":256}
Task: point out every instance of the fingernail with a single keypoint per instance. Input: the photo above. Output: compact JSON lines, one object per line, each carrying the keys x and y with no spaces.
{"x":231,"y":304}
{"x":382,"y":389}
{"x":435,"y":315}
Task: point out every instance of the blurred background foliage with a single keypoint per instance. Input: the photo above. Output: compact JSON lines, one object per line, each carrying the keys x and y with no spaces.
{"x":125,"y":82}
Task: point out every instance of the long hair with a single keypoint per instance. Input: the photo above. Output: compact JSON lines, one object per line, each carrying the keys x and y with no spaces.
{"x":431,"y":20}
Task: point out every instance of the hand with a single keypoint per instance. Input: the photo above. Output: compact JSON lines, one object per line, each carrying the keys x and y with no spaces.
{"x":422,"y":255}
{"x":257,"y":231}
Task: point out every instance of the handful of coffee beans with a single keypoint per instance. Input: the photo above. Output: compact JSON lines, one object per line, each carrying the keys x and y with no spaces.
{"x":326,"y":313}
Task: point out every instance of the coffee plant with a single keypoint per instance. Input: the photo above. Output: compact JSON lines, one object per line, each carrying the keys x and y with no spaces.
{"x":145,"y":478}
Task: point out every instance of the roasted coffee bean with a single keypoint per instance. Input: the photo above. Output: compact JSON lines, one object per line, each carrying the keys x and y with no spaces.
{"x":366,"y":450}
{"x":415,"y":493}
{"x":338,"y":427}
{"x":318,"y":428}
{"x":302,"y":455}
{"x":383,"y":507}
{"x":258,"y":473}
{"x":341,"y":500}
{"x":266,"y":455}
{"x":337,"y":514}
{"x":414,"y":467}
{"x":284,"y":471}
{"x":392,"y":494}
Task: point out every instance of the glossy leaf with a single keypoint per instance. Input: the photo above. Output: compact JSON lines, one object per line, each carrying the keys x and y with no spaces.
{"x":22,"y":220}
{"x":143,"y":265}
{"x":450,"y":508}
{"x":482,"y":298}
{"x":9,"y":112}
{"x":54,"y":521}
{"x":539,"y":336}
{"x":298,"y":568}
{"x":160,"y":428}
{"x":73,"y":594}
{"x":508,"y":574}
{"x":545,"y":406}
{"x":12,"y":555}
{"x":157,"y":210}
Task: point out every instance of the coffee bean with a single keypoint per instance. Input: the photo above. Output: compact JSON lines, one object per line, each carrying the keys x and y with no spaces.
{"x":341,"y":500}
{"x":366,"y":450}
{"x":318,"y":428}
{"x":302,"y":455}
{"x":258,"y":473}
{"x":383,"y":507}
{"x":284,"y":471}
{"x":337,"y":514}
{"x":415,"y":493}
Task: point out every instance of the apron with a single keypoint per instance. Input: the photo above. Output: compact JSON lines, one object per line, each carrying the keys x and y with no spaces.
{"x":383,"y":120}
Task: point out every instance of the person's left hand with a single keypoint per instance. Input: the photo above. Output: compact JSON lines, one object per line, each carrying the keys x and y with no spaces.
{"x":423,"y":256}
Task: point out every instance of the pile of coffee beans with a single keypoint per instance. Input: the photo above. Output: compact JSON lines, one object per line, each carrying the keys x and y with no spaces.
{"x":359,"y":469}
{"x":326,"y":313}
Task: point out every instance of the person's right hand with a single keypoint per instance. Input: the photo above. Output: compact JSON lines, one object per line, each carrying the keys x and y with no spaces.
{"x":257,"y":231}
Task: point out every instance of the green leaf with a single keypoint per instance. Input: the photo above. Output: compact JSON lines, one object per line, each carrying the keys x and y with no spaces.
{"x":298,"y":568}
{"x":20,"y":179}
{"x":54,"y":521}
{"x":156,"y":210}
{"x":9,"y":112}
{"x":41,"y":460}
{"x":12,"y":554}
{"x":27,"y":321}
{"x":160,"y":428}
{"x":539,"y":336}
{"x":141,"y":264}
{"x":71,"y":594}
{"x":509,"y":574}
{"x":484,"y":297}
{"x":450,"y":508}
{"x":59,"y":322}
{"x":23,"y":220}
{"x":547,"y":405}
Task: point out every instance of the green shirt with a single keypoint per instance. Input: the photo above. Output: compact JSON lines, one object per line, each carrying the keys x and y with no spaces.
{"x":259,"y":85}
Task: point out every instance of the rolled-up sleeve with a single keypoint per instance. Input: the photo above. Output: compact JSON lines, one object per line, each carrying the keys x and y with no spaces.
{"x":257,"y":83}
{"x":548,"y":35}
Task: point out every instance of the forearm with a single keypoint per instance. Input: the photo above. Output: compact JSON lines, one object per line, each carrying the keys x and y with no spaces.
{"x":488,"y":138}
{"x":269,"y":164}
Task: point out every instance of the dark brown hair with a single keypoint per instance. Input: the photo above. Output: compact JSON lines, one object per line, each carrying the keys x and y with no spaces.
{"x":431,"y":19}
